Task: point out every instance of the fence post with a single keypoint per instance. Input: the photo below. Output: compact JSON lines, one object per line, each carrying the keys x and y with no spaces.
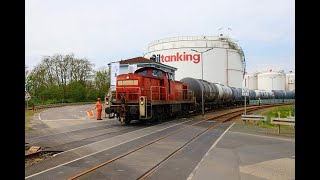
{"x":278,"y":128}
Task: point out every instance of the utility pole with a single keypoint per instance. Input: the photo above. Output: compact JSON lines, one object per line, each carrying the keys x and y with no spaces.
{"x":201,"y":59}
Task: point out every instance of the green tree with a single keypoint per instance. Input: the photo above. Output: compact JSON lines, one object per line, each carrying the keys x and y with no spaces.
{"x":76,"y":92}
{"x":102,"y":81}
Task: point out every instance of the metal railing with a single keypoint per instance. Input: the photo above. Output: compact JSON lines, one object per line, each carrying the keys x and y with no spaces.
{"x":253,"y":117}
{"x":271,"y":101}
{"x":130,"y":93}
{"x":290,"y":121}
{"x":158,"y":93}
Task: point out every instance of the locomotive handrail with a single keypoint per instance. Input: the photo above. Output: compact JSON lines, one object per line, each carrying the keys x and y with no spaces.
{"x":151,"y":94}
{"x":130,"y":87}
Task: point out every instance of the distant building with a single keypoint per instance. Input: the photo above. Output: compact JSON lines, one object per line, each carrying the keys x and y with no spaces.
{"x":270,"y":80}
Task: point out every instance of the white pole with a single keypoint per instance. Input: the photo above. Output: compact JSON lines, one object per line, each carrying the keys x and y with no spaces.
{"x":202,"y":82}
{"x":245,"y":103}
{"x":201,"y":59}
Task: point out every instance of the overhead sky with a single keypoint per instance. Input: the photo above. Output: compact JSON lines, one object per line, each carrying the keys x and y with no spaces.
{"x":107,"y":30}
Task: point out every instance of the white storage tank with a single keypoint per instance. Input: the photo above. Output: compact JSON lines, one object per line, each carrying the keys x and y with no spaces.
{"x":224,"y":64}
{"x":290,"y":81}
{"x":251,"y":81}
{"x":271,"y":81}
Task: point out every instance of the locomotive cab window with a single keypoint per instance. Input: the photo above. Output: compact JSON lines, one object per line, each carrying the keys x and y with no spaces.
{"x":157,"y":73}
{"x":143,"y":73}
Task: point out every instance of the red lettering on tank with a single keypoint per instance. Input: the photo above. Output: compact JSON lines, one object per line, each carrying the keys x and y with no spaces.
{"x":195,"y":58}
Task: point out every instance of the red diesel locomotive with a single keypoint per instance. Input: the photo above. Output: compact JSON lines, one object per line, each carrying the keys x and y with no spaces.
{"x":149,"y":94}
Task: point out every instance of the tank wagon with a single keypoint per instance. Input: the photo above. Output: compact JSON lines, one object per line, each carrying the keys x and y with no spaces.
{"x":151,"y":93}
{"x":214,"y":94}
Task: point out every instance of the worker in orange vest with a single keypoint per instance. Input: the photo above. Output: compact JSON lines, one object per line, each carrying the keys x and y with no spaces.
{"x":99,"y":109}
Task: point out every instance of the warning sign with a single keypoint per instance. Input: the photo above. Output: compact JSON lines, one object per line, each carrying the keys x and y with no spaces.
{"x":90,"y":113}
{"x":27,"y":95}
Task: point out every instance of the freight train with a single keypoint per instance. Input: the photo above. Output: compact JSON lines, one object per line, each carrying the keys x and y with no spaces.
{"x":152,"y":94}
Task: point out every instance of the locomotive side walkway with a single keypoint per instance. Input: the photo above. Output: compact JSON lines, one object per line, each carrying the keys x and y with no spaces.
{"x":240,"y":155}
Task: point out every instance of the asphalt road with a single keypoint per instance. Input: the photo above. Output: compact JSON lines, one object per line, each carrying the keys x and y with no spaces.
{"x":217,"y":154}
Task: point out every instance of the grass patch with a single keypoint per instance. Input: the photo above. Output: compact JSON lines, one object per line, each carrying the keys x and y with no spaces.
{"x":283,"y":111}
{"x":28,"y":117}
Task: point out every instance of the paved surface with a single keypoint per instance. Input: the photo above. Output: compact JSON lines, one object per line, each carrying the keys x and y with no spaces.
{"x":248,"y":156}
{"x":219,"y":154}
{"x":182,"y":164}
{"x":67,"y":115}
{"x":99,"y":151}
{"x":63,"y":119}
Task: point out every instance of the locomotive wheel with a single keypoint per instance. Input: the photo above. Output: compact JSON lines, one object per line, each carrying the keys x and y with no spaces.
{"x":127,"y":119}
{"x":127,"y":122}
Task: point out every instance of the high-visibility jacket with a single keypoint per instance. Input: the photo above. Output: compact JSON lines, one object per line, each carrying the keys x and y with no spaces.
{"x":98,"y":105}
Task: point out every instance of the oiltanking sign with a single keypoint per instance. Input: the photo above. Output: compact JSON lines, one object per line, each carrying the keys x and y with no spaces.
{"x":195,"y":58}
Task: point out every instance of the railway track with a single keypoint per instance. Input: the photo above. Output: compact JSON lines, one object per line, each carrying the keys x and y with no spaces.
{"x":47,"y":142}
{"x":114,"y":155}
{"x":217,"y":119}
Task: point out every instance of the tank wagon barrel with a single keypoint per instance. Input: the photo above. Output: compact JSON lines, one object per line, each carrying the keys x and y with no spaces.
{"x":213,"y":93}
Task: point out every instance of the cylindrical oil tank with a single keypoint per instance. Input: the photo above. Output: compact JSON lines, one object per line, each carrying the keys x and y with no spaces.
{"x":236,"y":93}
{"x":290,"y":81}
{"x":257,"y":93}
{"x":271,"y":81}
{"x":279,"y":94}
{"x":251,"y":81}
{"x":211,"y":91}
{"x":262,"y":94}
{"x":252,"y":94}
{"x":289,"y":94}
{"x":222,"y":58}
{"x":270,"y":94}
{"x":225,"y":92}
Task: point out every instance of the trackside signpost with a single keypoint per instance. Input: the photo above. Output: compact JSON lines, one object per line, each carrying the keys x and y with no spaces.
{"x":245,"y":93}
{"x":27,"y":97}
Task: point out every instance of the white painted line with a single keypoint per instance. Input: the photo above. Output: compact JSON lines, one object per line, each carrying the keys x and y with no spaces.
{"x":286,"y":139}
{"x":64,"y":120}
{"x":123,"y":134}
{"x":39,"y":116}
{"x":103,"y":149}
{"x":71,"y":109}
{"x":72,"y":130}
{"x":78,"y":116}
{"x":214,"y":144}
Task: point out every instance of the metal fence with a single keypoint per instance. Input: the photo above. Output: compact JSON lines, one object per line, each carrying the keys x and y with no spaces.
{"x":271,"y":101}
